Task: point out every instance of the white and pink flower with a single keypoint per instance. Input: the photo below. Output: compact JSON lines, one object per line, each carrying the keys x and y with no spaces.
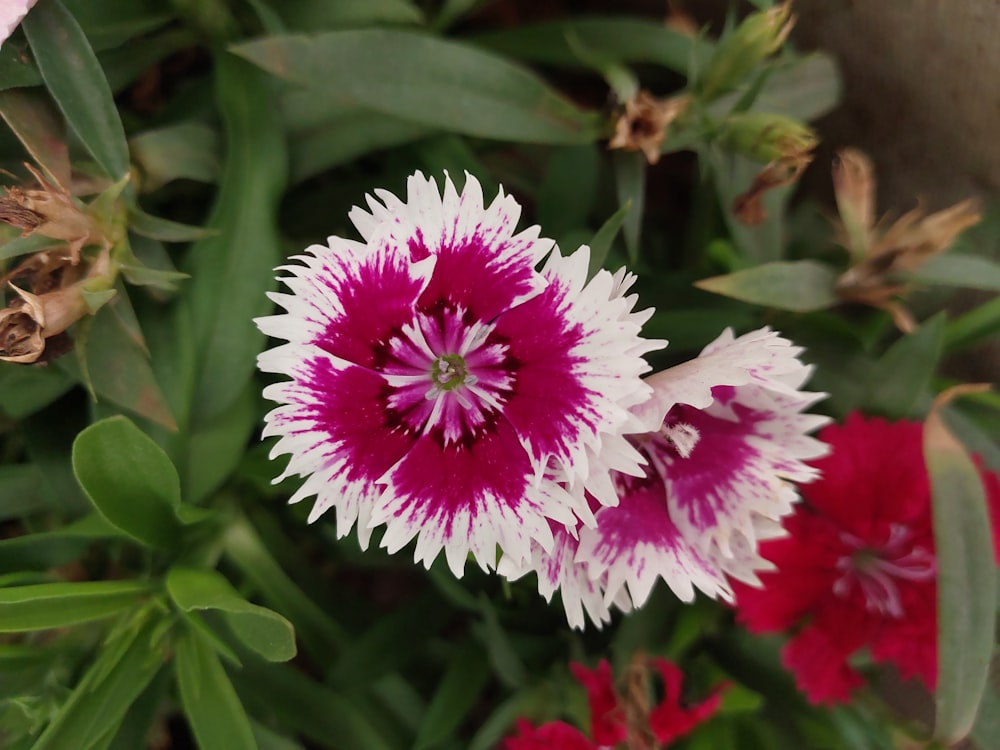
{"x":445,"y":387}
{"x":725,"y":440}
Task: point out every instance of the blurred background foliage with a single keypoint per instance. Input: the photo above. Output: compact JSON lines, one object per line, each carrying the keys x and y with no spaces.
{"x":156,"y":589}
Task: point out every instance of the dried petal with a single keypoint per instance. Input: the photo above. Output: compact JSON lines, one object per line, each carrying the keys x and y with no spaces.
{"x":643,"y":125}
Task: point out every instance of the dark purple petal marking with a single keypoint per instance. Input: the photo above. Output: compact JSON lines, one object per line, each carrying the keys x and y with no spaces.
{"x":550,"y":406}
{"x":365,"y":300}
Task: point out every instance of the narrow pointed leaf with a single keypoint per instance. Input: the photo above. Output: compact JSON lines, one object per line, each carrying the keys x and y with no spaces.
{"x":600,"y":245}
{"x":799,"y":286}
{"x":902,"y":378}
{"x":40,"y":129}
{"x":57,"y":605}
{"x":164,"y":229}
{"x":428,"y":80}
{"x":956,"y":269}
{"x":615,"y":38}
{"x":78,"y":84}
{"x":210,"y":703}
{"x":111,"y":685}
{"x":967,"y":580}
{"x":459,"y":689}
{"x":232,"y":270}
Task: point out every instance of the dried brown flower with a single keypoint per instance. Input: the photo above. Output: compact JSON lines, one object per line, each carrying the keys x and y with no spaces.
{"x":32,"y":319}
{"x":749,"y":207}
{"x":643,"y":124}
{"x":51,"y":212}
{"x":883,"y":256}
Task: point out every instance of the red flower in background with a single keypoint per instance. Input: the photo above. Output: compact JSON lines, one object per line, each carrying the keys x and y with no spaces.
{"x":609,"y":714}
{"x":857,"y":568}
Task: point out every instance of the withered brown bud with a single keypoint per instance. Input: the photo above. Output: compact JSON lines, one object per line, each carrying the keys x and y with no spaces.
{"x":749,"y":206}
{"x":14,"y":210}
{"x":883,"y":255}
{"x":31,"y":318}
{"x":21,"y":339}
{"x":51,"y":212}
{"x":644,"y":123}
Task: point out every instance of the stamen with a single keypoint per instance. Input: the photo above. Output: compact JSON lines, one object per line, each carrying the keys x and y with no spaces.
{"x":876,"y":570}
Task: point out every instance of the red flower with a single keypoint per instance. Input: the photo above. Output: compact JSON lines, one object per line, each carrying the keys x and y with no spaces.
{"x":608,"y":724}
{"x":858,"y":565}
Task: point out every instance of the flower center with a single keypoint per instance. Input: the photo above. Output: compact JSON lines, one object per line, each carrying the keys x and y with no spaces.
{"x":449,"y":371}
{"x":877,"y":569}
{"x":446,"y":374}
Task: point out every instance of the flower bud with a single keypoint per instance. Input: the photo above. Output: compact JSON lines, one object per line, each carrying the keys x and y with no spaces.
{"x":736,"y":56}
{"x":31,"y":319}
{"x":767,"y":137}
{"x":50,"y":212}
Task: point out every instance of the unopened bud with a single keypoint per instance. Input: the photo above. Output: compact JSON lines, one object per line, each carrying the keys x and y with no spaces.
{"x":737,"y":55}
{"x":768,"y":137}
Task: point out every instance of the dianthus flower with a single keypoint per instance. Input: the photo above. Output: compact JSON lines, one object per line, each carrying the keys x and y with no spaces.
{"x":442,"y":385}
{"x":725,"y":442}
{"x":857,"y":568}
{"x":614,"y":717}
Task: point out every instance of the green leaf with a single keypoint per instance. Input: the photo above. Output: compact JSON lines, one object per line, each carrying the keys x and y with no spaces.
{"x":26,"y":245}
{"x":144,"y":713}
{"x":600,"y":246}
{"x":232,"y":270}
{"x":348,"y":137}
{"x":973,"y":327}
{"x":613,"y":38}
{"x":48,"y":549}
{"x":321,"y":636}
{"x":433,"y":81}
{"x":503,"y":656}
{"x":902,"y":378}
{"x":210,"y":703}
{"x":986,"y":731}
{"x":17,"y":69}
{"x":955,"y":269}
{"x":164,"y":229}
{"x":187,"y":150}
{"x":57,"y":605}
{"x":967,"y":580}
{"x":25,"y":390}
{"x":120,"y":366}
{"x":215,"y":449}
{"x":320,"y":15}
{"x":390,"y":643}
{"x":40,"y":129}
{"x":109,"y":23}
{"x":308,"y":707}
{"x":799,"y":286}
{"x":96,"y":707}
{"x":458,"y":691}
{"x":165,"y":281}
{"x":77,"y":83}
{"x":568,"y":189}
{"x":802,"y":88}
{"x":130,"y":480}
{"x":733,"y":174}
{"x":20,"y":488}
{"x":630,"y":185}
{"x":261,"y":629}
